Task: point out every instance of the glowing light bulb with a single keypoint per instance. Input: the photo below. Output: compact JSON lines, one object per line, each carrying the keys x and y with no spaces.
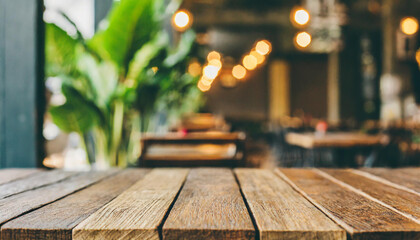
{"x":260,"y":58}
{"x":418,"y":57}
{"x":210,"y":71}
{"x":202,"y":87}
{"x":303,"y":39}
{"x":301,"y":16}
{"x":215,"y":62}
{"x":250,"y":62}
{"x":181,"y":20}
{"x":409,"y":25}
{"x":213,"y":55}
{"x":238,"y":72}
{"x":263,"y":47}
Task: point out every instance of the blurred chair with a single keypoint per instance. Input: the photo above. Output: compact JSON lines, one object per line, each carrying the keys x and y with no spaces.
{"x":207,"y":149}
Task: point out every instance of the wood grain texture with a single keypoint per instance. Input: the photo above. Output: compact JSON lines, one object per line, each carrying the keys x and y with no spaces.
{"x":407,"y":177}
{"x":361,"y":217}
{"x":19,"y":204}
{"x":56,"y":220}
{"x":137,"y":212}
{"x":401,"y":200}
{"x":12,"y":174}
{"x":338,"y":140}
{"x":282,"y":213}
{"x":33,"y":181}
{"x":210,"y":206}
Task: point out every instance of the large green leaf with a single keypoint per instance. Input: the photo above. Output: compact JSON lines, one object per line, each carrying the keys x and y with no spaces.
{"x":77,"y":114}
{"x":131,"y":24}
{"x":182,"y":50}
{"x":60,"y":51}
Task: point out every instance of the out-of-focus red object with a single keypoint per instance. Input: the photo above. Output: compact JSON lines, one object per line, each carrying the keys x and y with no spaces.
{"x":183,"y":132}
{"x":321,"y":126}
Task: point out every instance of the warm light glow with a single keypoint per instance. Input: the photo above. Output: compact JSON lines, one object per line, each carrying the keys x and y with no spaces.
{"x":194,"y":69}
{"x":210,"y":72}
{"x":213,"y":55}
{"x":260,"y":58}
{"x":409,"y":25}
{"x":301,"y":16}
{"x":155,"y":69}
{"x":238,"y":72}
{"x":206,"y":81}
{"x":250,"y":62}
{"x":215,"y":62}
{"x":303,"y":39}
{"x":263,"y":47}
{"x":418,"y":57}
{"x":182,"y":20}
{"x":202,"y":87}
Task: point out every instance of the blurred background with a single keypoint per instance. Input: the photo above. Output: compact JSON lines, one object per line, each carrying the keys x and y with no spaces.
{"x":299,"y":83}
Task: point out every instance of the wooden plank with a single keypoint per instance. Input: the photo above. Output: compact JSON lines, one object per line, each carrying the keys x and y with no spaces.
{"x":282,"y":213}
{"x":360,"y":216}
{"x":56,"y":220}
{"x":210,"y":206}
{"x":137,"y":212}
{"x":33,"y":181}
{"x":407,"y":177}
{"x":11,"y":174}
{"x":406,"y":202}
{"x":19,"y":204}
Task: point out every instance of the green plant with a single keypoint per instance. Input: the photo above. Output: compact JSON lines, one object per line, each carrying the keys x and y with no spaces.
{"x":114,"y":82}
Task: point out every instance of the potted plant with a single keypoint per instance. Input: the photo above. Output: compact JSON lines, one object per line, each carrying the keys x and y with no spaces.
{"x":114,"y":82}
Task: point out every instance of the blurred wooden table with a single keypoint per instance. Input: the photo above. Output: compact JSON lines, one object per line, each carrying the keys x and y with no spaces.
{"x":211,"y":203}
{"x":335,"y":140}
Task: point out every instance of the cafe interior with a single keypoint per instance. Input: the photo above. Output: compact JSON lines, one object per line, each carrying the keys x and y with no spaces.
{"x":210,"y":119}
{"x":210,"y":83}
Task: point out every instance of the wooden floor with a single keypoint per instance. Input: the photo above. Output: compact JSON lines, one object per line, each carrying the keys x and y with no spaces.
{"x":210,"y":203}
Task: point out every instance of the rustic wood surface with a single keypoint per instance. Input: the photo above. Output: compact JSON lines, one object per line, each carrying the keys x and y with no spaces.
{"x":336,"y":140}
{"x":362,"y":217}
{"x":209,"y":203}
{"x":56,"y":221}
{"x":136,"y":213}
{"x":8,"y":175}
{"x":282,"y":213}
{"x":34,"y":181}
{"x":406,"y":202}
{"x":19,"y":204}
{"x":408,"y":177}
{"x":210,"y":206}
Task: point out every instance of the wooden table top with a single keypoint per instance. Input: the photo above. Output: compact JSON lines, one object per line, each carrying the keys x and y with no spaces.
{"x":211,"y":203}
{"x":336,"y":139}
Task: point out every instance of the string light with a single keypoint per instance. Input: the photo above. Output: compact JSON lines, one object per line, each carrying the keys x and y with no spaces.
{"x":303,"y":39}
{"x":260,"y":58}
{"x":210,"y":71}
{"x":250,"y":62}
{"x":202,"y":87}
{"x":263,"y":47}
{"x":300,"y":16}
{"x":213,"y":55}
{"x":409,"y":25}
{"x":194,"y":69}
{"x":238,"y":72}
{"x":182,"y":20}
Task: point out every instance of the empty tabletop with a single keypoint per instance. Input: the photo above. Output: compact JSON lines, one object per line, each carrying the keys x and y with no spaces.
{"x":211,"y":203}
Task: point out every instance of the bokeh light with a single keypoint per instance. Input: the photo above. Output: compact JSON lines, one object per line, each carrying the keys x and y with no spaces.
{"x":303,"y":39}
{"x":409,"y":25}
{"x":182,"y":20}
{"x":203,"y":87}
{"x":301,"y":16}
{"x":418,"y":57}
{"x":213,"y":55}
{"x":194,"y":69}
{"x":215,"y":62}
{"x":238,"y":72}
{"x":260,"y":58}
{"x":250,"y":62}
{"x":263,"y":47}
{"x":210,"y":71}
